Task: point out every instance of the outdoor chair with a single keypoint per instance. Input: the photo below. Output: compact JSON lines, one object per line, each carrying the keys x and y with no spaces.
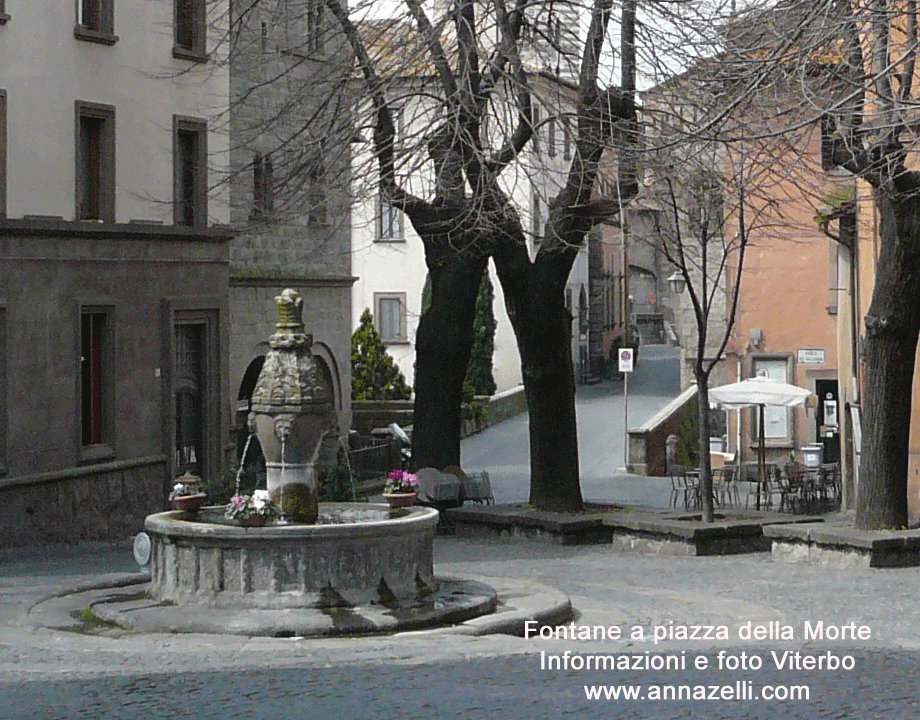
{"x":678,"y":485}
{"x":829,"y":484}
{"x":693,"y":499}
{"x":790,"y":498}
{"x":478,"y":488}
{"x":725,"y":483}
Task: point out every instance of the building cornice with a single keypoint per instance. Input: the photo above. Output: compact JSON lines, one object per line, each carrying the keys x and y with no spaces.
{"x":140,"y":230}
{"x":244,"y":280}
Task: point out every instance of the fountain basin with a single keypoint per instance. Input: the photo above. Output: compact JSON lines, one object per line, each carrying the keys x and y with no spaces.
{"x":357,"y":554}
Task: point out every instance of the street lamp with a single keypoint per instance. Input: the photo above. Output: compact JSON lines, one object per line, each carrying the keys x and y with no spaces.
{"x":677,"y":283}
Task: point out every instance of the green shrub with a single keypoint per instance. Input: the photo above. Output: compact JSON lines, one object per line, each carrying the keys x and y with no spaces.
{"x":335,"y":485}
{"x":374,"y":374}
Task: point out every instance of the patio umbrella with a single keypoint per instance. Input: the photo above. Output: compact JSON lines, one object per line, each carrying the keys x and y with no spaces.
{"x":758,"y":392}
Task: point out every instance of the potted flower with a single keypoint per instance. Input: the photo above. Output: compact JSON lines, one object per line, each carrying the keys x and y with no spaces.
{"x":186,"y":494}
{"x":401,"y":488}
{"x":252,"y":510}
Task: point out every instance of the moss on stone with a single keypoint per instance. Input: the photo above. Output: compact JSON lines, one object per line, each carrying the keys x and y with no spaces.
{"x":297,"y":503}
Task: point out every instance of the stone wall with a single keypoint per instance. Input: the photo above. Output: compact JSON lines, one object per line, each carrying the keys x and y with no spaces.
{"x":101,"y":502}
{"x":648,"y":443}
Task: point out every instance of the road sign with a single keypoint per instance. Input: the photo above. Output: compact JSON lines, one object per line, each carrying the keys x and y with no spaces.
{"x":626,"y":360}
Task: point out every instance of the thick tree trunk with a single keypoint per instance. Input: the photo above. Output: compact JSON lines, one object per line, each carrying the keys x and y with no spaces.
{"x":543,"y":327}
{"x":442,"y":346}
{"x":889,"y":350}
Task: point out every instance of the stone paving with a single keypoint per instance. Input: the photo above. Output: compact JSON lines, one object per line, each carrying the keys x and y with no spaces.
{"x":97,"y":675}
{"x":46,"y":673}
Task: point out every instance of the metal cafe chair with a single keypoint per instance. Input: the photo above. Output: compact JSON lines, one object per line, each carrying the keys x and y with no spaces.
{"x":478,"y":488}
{"x":677,"y":474}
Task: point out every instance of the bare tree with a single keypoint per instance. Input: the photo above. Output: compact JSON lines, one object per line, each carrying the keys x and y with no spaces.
{"x":851,"y":64}
{"x":484,"y":114}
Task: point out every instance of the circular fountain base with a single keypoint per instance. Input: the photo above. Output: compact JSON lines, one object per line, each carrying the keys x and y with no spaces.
{"x":454,"y":602}
{"x":357,"y":555}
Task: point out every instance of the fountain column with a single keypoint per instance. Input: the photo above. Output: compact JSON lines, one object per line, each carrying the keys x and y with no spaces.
{"x":291,"y":413}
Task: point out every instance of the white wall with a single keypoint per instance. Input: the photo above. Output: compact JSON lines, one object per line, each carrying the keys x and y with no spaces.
{"x":46,"y":69}
{"x":399,"y":267}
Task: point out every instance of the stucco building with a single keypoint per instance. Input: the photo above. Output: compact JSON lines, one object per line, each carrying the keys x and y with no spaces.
{"x":114,"y":262}
{"x":388,"y":256}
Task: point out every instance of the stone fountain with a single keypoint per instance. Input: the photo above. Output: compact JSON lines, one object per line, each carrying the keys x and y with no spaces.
{"x":331,"y":556}
{"x":292,"y":413}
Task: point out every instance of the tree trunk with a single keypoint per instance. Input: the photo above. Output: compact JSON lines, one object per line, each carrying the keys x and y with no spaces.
{"x":442,"y":345}
{"x":889,"y":350}
{"x":543,"y":327}
{"x":702,"y":397}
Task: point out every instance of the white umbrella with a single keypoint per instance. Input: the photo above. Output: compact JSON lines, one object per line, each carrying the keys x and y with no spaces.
{"x":759,"y":392}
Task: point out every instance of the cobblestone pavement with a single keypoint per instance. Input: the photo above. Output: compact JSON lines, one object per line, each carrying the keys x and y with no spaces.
{"x":504,"y":687}
{"x":46,"y":674}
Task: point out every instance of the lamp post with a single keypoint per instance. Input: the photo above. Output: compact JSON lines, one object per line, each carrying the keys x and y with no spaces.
{"x":677,"y":283}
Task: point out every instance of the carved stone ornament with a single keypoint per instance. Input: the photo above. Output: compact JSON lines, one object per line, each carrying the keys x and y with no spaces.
{"x":290,"y":381}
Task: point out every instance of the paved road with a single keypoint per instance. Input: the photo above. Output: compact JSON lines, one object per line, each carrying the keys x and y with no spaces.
{"x":504,"y":687}
{"x":504,"y":451}
{"x":62,"y":675}
{"x":45,"y":674}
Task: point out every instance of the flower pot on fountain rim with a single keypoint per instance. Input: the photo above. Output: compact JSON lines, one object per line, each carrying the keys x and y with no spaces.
{"x":291,"y":413}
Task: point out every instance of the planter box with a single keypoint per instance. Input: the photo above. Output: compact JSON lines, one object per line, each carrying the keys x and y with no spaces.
{"x":628,"y":529}
{"x":845,"y":546}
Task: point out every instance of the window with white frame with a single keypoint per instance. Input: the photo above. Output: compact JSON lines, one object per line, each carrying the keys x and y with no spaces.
{"x":389,"y":223}
{"x":391,"y":316}
{"x":537,"y":217}
{"x":777,"y":425}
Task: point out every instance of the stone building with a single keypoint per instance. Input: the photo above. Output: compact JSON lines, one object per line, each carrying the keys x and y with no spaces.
{"x":114,"y":265}
{"x":291,"y":132}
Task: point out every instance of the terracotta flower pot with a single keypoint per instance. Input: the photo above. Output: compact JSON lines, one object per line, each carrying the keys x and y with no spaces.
{"x":400,"y":500}
{"x":189,"y":503}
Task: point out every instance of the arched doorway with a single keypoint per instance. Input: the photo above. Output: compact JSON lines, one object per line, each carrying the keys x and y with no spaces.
{"x":254,"y":462}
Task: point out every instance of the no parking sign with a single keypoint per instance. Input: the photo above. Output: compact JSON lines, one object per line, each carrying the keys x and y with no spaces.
{"x":626,"y":360}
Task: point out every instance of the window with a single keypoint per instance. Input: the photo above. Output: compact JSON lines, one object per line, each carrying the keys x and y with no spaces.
{"x":536,"y":216}
{"x":317,"y":196}
{"x":190,"y":153}
{"x":2,"y":150}
{"x":96,"y":21}
{"x":95,"y":382}
{"x":566,"y":139}
{"x":551,"y":139}
{"x":391,"y":321}
{"x":190,"y":30}
{"x":391,"y":222}
{"x":190,"y":390}
{"x":776,"y":419}
{"x":315,"y":40}
{"x":95,"y":162}
{"x":535,"y":123}
{"x":263,"y":191}
{"x":831,"y":142}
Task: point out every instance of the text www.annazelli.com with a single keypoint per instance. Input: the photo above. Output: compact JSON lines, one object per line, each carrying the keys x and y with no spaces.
{"x":740,"y":690}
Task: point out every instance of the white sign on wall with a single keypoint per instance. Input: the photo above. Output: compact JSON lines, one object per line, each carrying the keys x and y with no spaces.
{"x":811,"y":356}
